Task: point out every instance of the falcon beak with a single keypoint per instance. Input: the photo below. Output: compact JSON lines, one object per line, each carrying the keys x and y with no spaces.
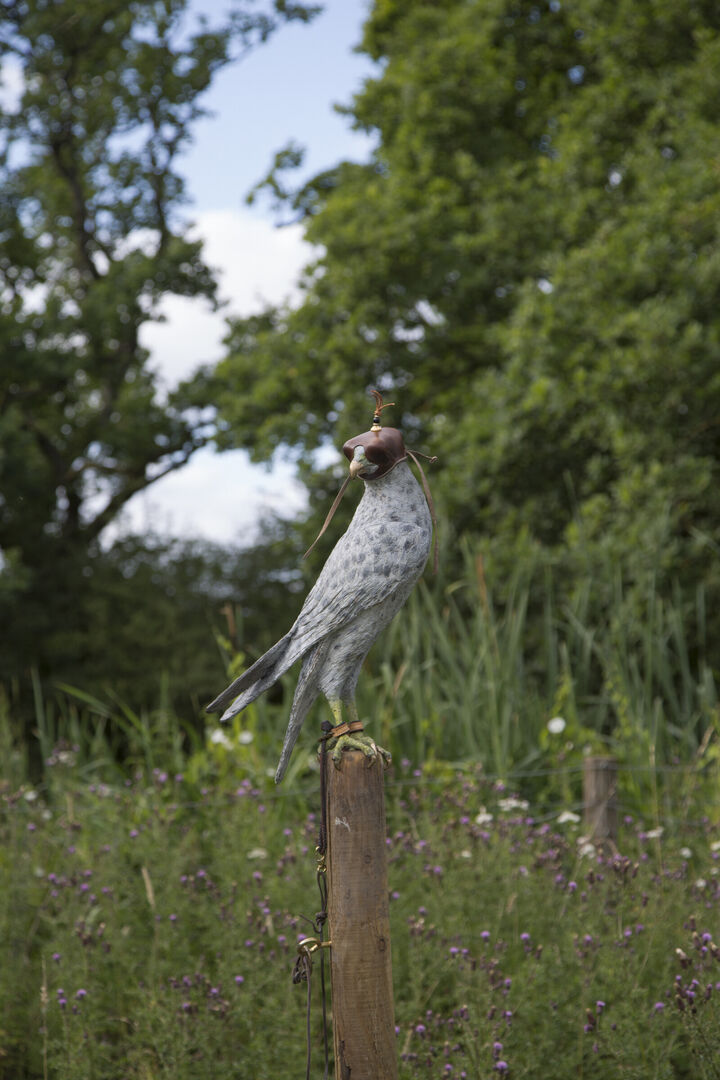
{"x":360,"y":466}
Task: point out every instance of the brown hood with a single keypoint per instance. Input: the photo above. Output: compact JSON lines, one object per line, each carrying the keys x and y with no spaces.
{"x":383,"y":447}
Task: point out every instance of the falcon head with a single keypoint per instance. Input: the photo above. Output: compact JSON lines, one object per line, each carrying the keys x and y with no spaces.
{"x":372,"y":455}
{"x":375,"y":452}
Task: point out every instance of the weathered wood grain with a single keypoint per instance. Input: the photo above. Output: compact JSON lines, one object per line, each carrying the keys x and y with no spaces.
{"x":359,"y":922}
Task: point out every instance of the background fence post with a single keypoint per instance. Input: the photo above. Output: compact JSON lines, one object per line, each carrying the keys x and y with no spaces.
{"x":359,"y":921}
{"x":599,"y":799}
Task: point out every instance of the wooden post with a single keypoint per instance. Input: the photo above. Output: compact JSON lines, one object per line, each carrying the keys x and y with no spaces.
{"x":359,"y":921}
{"x":599,"y":790}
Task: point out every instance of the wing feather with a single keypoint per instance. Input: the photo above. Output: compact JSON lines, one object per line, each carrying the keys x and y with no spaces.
{"x":356,"y":576}
{"x":364,"y":568}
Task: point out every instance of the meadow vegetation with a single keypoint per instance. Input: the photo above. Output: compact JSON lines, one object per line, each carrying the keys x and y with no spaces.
{"x":155,"y":882}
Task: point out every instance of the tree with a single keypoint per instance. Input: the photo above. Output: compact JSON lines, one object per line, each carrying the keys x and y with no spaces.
{"x":159,"y":609}
{"x":92,"y":240}
{"x":530,"y":263}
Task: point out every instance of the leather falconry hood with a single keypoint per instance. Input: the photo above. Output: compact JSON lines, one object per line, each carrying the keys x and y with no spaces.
{"x":385,"y":448}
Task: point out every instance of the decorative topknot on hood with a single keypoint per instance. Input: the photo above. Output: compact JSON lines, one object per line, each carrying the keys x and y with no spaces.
{"x":384,"y":447}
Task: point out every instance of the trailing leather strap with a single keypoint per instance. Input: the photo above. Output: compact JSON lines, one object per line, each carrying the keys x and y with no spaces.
{"x":431,"y":506}
{"x":331,"y":514}
{"x":428,"y":497}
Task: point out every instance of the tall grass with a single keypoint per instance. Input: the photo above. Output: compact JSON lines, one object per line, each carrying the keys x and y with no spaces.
{"x":463,"y":675}
{"x":152,"y":885}
{"x":472,"y":670}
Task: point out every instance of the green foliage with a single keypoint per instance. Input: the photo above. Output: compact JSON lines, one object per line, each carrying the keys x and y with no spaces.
{"x":152,"y":617}
{"x":93,"y":239}
{"x":478,"y":666}
{"x":529,"y":266}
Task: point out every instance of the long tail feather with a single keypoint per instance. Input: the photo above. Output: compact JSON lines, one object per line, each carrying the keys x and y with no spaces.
{"x":305,"y":695}
{"x":263,"y":673}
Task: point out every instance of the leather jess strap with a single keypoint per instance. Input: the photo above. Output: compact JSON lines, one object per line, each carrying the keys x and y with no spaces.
{"x":346,"y":729}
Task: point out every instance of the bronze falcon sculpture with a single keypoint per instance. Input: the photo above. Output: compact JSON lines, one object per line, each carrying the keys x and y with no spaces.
{"x":367,"y":578}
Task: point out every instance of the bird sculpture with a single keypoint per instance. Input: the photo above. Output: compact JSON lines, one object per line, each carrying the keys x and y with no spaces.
{"x":367,"y":578}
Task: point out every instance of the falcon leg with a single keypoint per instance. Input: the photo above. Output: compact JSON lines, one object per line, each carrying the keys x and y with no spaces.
{"x":356,"y":740}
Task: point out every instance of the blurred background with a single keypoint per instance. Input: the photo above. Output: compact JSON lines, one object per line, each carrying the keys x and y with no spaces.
{"x":223,"y":223}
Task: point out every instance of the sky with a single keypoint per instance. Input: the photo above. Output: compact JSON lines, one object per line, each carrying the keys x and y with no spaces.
{"x":282,"y":91}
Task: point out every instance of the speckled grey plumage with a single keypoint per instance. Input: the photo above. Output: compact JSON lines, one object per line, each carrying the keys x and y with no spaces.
{"x":367,"y":578}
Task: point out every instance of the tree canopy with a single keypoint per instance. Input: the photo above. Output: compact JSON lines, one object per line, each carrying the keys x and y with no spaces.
{"x":92,"y":238}
{"x":529,"y":264}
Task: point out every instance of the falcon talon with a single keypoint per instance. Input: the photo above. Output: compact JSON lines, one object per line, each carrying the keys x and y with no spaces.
{"x":367,"y":578}
{"x":340,"y":745}
{"x":386,"y":756}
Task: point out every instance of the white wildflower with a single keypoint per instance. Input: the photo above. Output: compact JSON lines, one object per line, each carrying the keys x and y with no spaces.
{"x":686,"y":852}
{"x":31,"y":795}
{"x":465,"y":854}
{"x":219,"y":738}
{"x":511,"y":803}
{"x":655,"y":834}
{"x":715,"y":846}
{"x":484,"y":817}
{"x":557,"y":725}
{"x":700,"y":883}
{"x":568,"y":817}
{"x":257,"y":853}
{"x":245,"y":738}
{"x":585,"y":848}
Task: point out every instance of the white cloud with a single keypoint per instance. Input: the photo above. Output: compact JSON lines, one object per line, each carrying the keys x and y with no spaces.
{"x":221,"y":496}
{"x":256,"y":264}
